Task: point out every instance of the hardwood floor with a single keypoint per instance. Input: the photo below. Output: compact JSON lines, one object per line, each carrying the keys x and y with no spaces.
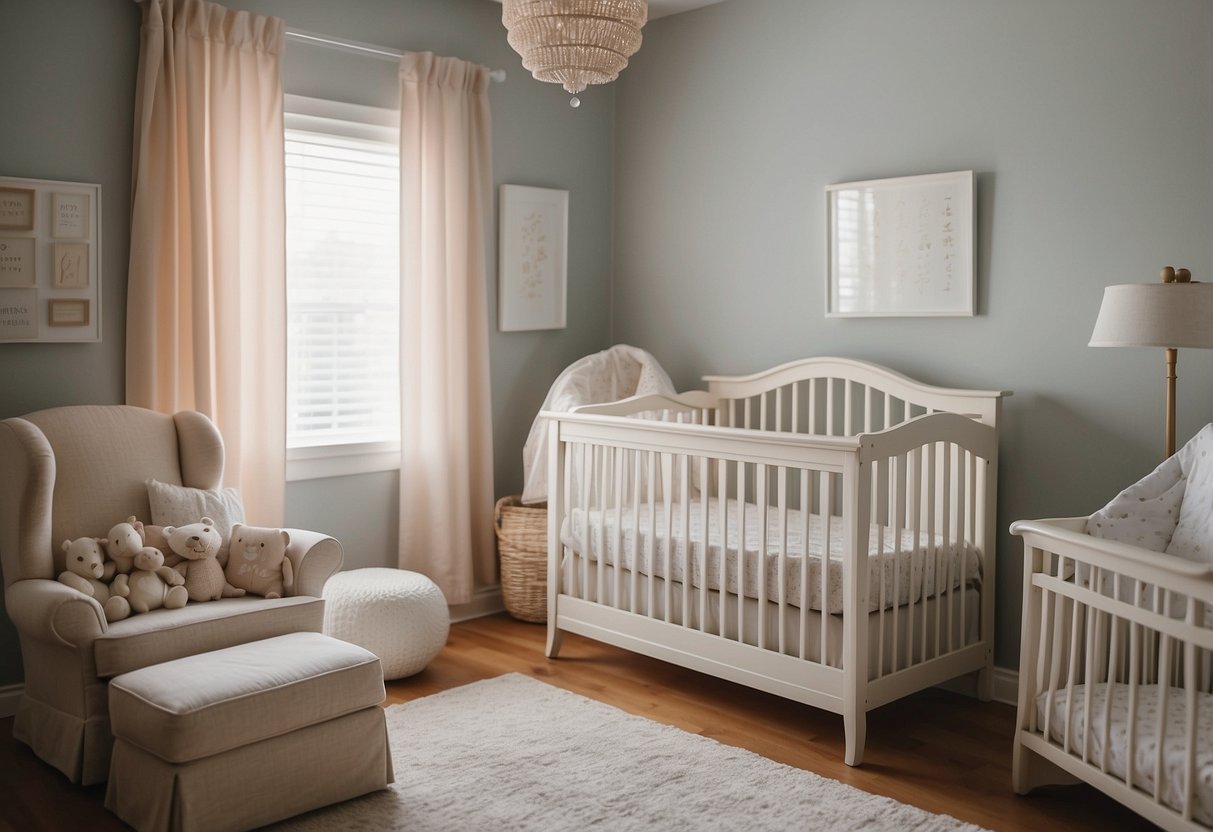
{"x":937,"y":750}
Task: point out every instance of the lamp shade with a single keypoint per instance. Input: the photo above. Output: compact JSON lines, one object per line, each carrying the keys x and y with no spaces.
{"x":1155,"y":315}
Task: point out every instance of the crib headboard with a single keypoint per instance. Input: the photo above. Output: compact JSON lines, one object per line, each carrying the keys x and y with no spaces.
{"x":840,"y":397}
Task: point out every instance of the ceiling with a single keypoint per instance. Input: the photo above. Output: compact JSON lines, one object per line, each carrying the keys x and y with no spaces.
{"x":662,"y":8}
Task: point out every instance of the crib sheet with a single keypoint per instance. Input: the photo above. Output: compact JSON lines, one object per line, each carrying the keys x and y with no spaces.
{"x":916,"y":571}
{"x":1145,"y":741}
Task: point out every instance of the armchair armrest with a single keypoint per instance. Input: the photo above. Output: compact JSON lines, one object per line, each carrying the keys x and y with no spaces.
{"x":50,"y":611}
{"x":315,"y":557}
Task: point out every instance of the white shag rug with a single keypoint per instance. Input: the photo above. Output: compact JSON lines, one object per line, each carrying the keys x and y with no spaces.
{"x":513,"y":753}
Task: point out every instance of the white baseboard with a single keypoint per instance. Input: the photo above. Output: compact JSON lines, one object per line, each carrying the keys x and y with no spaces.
{"x":9,"y":696}
{"x":1006,"y":685}
{"x":486,"y":601}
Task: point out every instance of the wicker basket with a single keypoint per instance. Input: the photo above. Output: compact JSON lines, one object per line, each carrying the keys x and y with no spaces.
{"x":522,"y":543}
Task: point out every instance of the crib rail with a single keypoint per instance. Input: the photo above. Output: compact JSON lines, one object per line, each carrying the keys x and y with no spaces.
{"x":839,"y":397}
{"x":1116,"y":672}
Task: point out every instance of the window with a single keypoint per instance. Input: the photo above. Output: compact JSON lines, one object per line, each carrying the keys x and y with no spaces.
{"x":343,"y":288}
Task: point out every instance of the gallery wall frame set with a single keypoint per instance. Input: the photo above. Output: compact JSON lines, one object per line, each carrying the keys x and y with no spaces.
{"x":532,"y":258}
{"x":901,"y":247}
{"x":50,"y":261}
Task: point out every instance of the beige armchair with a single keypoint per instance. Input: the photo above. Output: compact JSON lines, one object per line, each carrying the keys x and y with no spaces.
{"x":75,"y":471}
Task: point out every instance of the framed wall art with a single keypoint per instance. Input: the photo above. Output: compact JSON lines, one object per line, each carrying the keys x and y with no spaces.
{"x":532,"y":267}
{"x":50,"y":261}
{"x":17,"y":208}
{"x":17,"y":262}
{"x":901,"y":247}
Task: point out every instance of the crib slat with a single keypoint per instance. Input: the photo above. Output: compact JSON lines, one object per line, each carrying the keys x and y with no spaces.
{"x":779,"y":408}
{"x":913,"y":501}
{"x":620,"y":475}
{"x":651,"y":542}
{"x":684,"y":499}
{"x":741,"y":466}
{"x":795,"y":407}
{"x":667,"y":499}
{"x":880,"y":477}
{"x":867,"y":408}
{"x":932,"y":544}
{"x":846,"y":408}
{"x":1162,"y":685}
{"x":587,"y":457}
{"x":704,"y":496}
{"x":567,"y":566}
{"x":762,"y":410}
{"x":1194,"y":618}
{"x":829,"y":406}
{"x":601,"y":454}
{"x":827,"y":563}
{"x":1088,"y":680}
{"x":805,"y":554}
{"x":722,"y":513}
{"x":1135,"y":668}
{"x":812,"y":415}
{"x":897,"y":506}
{"x":749,"y":401}
{"x":781,"y":474}
{"x":1113,"y":666}
{"x":634,"y":571}
{"x":760,"y":572}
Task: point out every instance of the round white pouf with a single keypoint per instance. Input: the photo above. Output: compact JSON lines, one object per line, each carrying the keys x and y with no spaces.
{"x":399,"y":616}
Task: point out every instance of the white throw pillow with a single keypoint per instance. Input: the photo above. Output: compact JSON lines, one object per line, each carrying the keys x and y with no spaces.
{"x":178,"y":505}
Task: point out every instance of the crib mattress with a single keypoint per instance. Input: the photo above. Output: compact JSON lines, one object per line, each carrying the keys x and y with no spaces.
{"x":1145,"y":745}
{"x":901,"y":569}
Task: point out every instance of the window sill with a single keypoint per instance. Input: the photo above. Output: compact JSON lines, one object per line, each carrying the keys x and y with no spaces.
{"x":323,"y":461}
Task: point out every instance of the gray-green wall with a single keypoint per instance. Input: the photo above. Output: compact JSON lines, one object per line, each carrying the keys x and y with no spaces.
{"x":67,"y":80}
{"x":1089,"y":124}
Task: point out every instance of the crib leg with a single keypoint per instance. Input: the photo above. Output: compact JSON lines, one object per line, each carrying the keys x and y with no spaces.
{"x":1030,"y":770}
{"x":856,"y":727}
{"x":555,"y":637}
{"x":985,"y":683}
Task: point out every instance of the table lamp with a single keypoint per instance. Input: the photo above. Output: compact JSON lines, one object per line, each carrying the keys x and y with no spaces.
{"x":1178,"y":312}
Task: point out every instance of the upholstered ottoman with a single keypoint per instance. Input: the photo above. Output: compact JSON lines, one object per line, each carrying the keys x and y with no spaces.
{"x":247,"y":735}
{"x":399,"y":616}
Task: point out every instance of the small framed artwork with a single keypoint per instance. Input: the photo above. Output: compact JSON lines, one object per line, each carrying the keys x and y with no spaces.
{"x":17,"y":266}
{"x":901,"y":247}
{"x":69,"y":216}
{"x":70,"y":269}
{"x":18,"y":315}
{"x":532,"y":269}
{"x":17,"y":208}
{"x":67,"y":312}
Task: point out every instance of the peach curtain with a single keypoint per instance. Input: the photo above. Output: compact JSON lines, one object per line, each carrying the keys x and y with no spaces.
{"x":206,"y":294}
{"x":446,"y":467}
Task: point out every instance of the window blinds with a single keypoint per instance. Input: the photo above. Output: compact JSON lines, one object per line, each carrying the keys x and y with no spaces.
{"x":343,"y":286}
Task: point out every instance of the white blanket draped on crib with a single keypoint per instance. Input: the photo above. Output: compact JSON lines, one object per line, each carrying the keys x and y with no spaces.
{"x":897,"y":567}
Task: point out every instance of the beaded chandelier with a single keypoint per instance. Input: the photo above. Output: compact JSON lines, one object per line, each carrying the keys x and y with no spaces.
{"x":575,"y":42}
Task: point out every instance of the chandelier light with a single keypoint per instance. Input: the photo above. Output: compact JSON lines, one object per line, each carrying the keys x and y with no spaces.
{"x":575,"y":42}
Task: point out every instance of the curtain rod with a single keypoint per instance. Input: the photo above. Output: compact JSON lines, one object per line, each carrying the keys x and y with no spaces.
{"x":360,"y":48}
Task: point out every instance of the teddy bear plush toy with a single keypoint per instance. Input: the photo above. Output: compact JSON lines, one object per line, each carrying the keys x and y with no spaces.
{"x":258,"y":563}
{"x":124,"y":541}
{"x":151,"y":585}
{"x":87,"y":572}
{"x":198,"y":545}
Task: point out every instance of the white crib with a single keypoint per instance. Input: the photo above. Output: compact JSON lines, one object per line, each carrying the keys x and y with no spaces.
{"x":823,"y":531}
{"x":1105,"y":622}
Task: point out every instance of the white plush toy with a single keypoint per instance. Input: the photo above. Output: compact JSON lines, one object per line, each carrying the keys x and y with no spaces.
{"x":198,"y":543}
{"x":86,"y":572}
{"x":257,"y":561}
{"x":124,"y":541}
{"x":151,"y":585}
